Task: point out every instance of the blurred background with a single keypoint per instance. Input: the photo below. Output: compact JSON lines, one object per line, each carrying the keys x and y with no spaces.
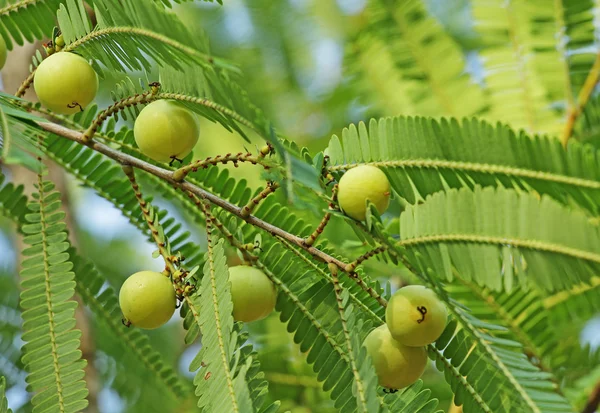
{"x":293,"y":55}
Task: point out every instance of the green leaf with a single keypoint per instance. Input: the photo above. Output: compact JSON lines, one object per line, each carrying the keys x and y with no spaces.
{"x":422,"y":156}
{"x":217,"y":385}
{"x":482,"y":232}
{"x":51,"y":352}
{"x":3,"y":402}
{"x":407,"y":63}
{"x":26,"y":21}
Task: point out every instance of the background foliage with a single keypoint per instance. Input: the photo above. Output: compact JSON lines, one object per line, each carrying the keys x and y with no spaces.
{"x":482,"y":113}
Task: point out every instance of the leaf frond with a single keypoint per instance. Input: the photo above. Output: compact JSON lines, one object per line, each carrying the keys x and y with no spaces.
{"x":422,"y":156}
{"x":51,"y":352}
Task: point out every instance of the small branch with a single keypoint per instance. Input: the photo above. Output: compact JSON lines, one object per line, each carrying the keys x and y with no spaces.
{"x":249,"y":207}
{"x":119,"y":106}
{"x":593,"y":401}
{"x":150,"y":217}
{"x":25,"y":85}
{"x":582,"y":99}
{"x":352,"y":266}
{"x":180,"y":174}
{"x":312,"y":238}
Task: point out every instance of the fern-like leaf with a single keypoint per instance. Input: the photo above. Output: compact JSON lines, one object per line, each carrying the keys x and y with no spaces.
{"x":131,"y":36}
{"x":498,"y":237}
{"x":51,"y":351}
{"x":219,"y":388}
{"x":423,"y":67}
{"x":498,"y":377}
{"x":518,"y":95}
{"x":13,"y":204}
{"x":3,"y":402}
{"x":422,"y":156}
{"x":26,"y":20}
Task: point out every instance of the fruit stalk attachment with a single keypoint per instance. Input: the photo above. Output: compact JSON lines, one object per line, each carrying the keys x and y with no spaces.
{"x":118,"y":106}
{"x":352,"y":266}
{"x":253,"y":203}
{"x":180,"y":174}
{"x":312,"y":238}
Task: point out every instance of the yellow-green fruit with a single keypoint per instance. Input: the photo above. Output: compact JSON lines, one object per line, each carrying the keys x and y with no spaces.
{"x":252,"y":292}
{"x":3,"y":52}
{"x":164,"y":130}
{"x":415,"y":316}
{"x":362,"y":183}
{"x":147,"y":299}
{"x":397,"y":366}
{"x":65,"y":83}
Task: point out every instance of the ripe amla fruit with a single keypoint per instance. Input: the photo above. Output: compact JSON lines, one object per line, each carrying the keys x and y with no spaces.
{"x":3,"y":52}
{"x":359,"y":184}
{"x":415,"y":316}
{"x":147,"y":299}
{"x":65,"y":83}
{"x":164,"y":130}
{"x":396,"y":365}
{"x":252,"y":292}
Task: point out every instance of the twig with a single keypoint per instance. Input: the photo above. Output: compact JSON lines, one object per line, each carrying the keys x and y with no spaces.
{"x":119,"y":106}
{"x":352,"y":266}
{"x":582,"y":99}
{"x":25,"y":85}
{"x":180,"y":174}
{"x":253,"y":203}
{"x":310,"y":240}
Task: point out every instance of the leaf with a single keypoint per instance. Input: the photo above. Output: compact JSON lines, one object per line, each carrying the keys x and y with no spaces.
{"x":131,"y":36}
{"x":485,"y":231}
{"x":407,"y":63}
{"x":422,"y":156}
{"x":51,"y":353}
{"x":3,"y":402}
{"x":26,"y":20}
{"x":217,"y":385}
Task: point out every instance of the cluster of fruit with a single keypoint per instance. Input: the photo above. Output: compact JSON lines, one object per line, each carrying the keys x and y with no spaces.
{"x":148,"y":300}
{"x":414,"y":318}
{"x":164,"y":130}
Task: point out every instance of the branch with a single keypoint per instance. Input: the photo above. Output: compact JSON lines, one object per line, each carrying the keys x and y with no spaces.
{"x":167,"y":175}
{"x":582,"y":99}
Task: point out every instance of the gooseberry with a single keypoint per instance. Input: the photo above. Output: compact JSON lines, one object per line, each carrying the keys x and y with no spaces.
{"x":164,"y":130}
{"x":397,"y":366}
{"x":3,"y":52}
{"x":65,"y":83}
{"x":252,"y":292}
{"x":359,"y":184}
{"x":415,"y":316}
{"x":147,"y":299}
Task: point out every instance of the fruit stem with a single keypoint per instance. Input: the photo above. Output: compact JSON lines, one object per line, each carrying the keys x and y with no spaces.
{"x":182,"y":289}
{"x":312,"y":238}
{"x":118,"y":106}
{"x":25,"y":85}
{"x":180,"y":174}
{"x":352,"y":266}
{"x":249,"y":207}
